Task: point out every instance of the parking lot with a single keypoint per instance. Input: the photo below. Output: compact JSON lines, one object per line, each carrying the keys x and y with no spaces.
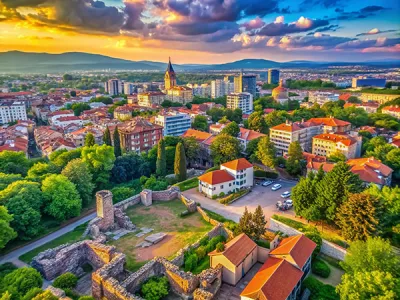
{"x":259,"y":195}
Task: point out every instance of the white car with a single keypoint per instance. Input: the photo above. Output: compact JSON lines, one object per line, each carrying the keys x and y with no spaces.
{"x":289,"y":203}
{"x":276,"y":187}
{"x":267,"y":183}
{"x":286,"y":194}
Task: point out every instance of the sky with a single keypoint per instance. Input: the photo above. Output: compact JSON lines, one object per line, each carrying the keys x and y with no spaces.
{"x":205,"y":31}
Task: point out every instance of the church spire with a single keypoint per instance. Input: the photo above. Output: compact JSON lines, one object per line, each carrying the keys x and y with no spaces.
{"x":170,"y":76}
{"x":169,"y":67}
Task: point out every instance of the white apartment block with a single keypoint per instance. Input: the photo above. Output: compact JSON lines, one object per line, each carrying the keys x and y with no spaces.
{"x":174,"y":123}
{"x":244,"y":101}
{"x":114,"y":87}
{"x":12,"y":112}
{"x":129,"y":88}
{"x":322,"y":97}
{"x":220,"y":88}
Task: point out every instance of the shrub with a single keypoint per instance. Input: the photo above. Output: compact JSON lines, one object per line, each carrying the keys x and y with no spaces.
{"x":262,"y":243}
{"x":319,"y":291}
{"x":32,"y":293}
{"x":86,"y":298}
{"x":121,"y":193}
{"x":221,"y":194}
{"x":214,"y":197}
{"x":201,"y":252}
{"x":316,"y":238}
{"x":214,"y":241}
{"x":191,"y":262}
{"x":66,"y":281}
{"x":71,"y":293}
{"x":204,"y":241}
{"x":6,"y":269}
{"x":265,"y":174}
{"x":220,"y":247}
{"x":155,"y":288}
{"x":320,"y":268}
{"x":22,"y":280}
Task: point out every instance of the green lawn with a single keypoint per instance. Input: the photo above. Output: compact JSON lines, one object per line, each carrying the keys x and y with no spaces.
{"x":69,"y":237}
{"x":188,"y":184}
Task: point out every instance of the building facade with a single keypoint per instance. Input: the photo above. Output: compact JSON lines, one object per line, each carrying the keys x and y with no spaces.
{"x":114,"y":87}
{"x":174,"y":123}
{"x":380,"y":98}
{"x":139,"y":135}
{"x":246,"y":83}
{"x":181,"y":94}
{"x":12,"y":111}
{"x":368,"y":82}
{"x":322,"y":97}
{"x":327,"y":144}
{"x":273,"y":76}
{"x":150,"y":98}
{"x":244,"y":101}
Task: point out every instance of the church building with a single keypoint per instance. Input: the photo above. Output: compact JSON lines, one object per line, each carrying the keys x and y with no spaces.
{"x":174,"y":92}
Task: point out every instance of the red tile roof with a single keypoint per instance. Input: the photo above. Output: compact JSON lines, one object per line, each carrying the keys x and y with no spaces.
{"x":336,"y":138}
{"x":370,"y":169}
{"x":299,"y":247}
{"x":391,"y":108}
{"x":60,"y":113}
{"x":274,"y":281}
{"x":238,"y":164}
{"x":137,"y":125}
{"x":199,"y":135}
{"x":249,"y":135}
{"x":329,"y":121}
{"x":237,"y":249}
{"x":216,"y":177}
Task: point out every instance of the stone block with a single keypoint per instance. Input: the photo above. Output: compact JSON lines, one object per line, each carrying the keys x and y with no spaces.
{"x":156,"y":237}
{"x":146,"y":197}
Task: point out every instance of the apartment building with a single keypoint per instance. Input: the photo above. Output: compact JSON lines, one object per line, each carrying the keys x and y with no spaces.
{"x":181,"y":94}
{"x":393,"y":111}
{"x":284,"y":134}
{"x":52,"y":117}
{"x":114,"y":87}
{"x":123,"y":113}
{"x":220,"y":88}
{"x":380,"y":98}
{"x":244,"y":101}
{"x":12,"y":111}
{"x":246,"y":83}
{"x":150,"y":98}
{"x":332,"y":124}
{"x":322,"y":97}
{"x":328,"y":143}
{"x":174,"y":123}
{"x":139,"y":135}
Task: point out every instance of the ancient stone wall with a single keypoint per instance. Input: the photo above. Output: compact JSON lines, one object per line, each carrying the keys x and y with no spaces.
{"x":124,"y":205}
{"x":105,"y":209}
{"x":172,"y":193}
{"x":146,"y":197}
{"x":190,"y":204}
{"x":327,"y":248}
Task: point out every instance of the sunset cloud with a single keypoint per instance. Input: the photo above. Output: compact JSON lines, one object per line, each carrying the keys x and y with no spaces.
{"x":375,"y":31}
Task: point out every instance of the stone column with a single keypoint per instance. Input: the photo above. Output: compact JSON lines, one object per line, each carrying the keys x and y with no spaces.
{"x":105,"y":209}
{"x":146,"y":196}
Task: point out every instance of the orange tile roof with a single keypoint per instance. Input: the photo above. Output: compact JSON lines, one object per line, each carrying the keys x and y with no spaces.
{"x":249,"y":135}
{"x":329,"y":121}
{"x":199,"y":135}
{"x":274,"y":281}
{"x":336,"y":138}
{"x":392,"y":108}
{"x":216,"y":177}
{"x":299,"y":247}
{"x":315,"y":165}
{"x":237,"y":249}
{"x":370,"y":169}
{"x":396,"y":143}
{"x":238,"y":164}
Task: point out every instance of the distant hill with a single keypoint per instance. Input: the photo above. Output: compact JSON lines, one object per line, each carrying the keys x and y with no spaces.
{"x":24,"y":62}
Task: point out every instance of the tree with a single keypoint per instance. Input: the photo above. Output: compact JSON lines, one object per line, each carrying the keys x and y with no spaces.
{"x":252,"y":148}
{"x":304,"y":197}
{"x":89,"y":140}
{"x":358,"y":217}
{"x":335,"y":188}
{"x":200,"y":123}
{"x":67,"y":77}
{"x":276,"y":117}
{"x":231,"y":129}
{"x":78,"y":108}
{"x":155,"y":288}
{"x":21,"y":281}
{"x":72,"y":93}
{"x":117,"y":143}
{"x":225,"y":148}
{"x":66,"y":281}
{"x":62,"y":197}
{"x":337,"y":156}
{"x":266,"y":152}
{"x":259,"y":223}
{"x":374,"y":254}
{"x":376,"y":285}
{"x":79,"y":174}
{"x":393,"y":161}
{"x":256,"y":122}
{"x":246,"y":225}
{"x":6,"y":179}
{"x":354,"y":99}
{"x":192,"y":147}
{"x":130,"y":166}
{"x":46,"y":295}
{"x":40,"y":170}
{"x":100,"y":160}
{"x":6,"y":232}
{"x":13,"y":162}
{"x":295,"y":153}
{"x":215,"y":113}
{"x":61,"y":158}
{"x":180,"y":163}
{"x":107,"y":137}
{"x":161,"y":164}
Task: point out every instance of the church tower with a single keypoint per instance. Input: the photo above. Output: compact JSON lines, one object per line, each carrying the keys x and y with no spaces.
{"x":170,"y":76}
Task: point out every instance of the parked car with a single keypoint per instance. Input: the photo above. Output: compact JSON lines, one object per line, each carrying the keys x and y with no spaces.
{"x":281,"y":206}
{"x":276,"y":187}
{"x":288,"y":203}
{"x":267,"y":183}
{"x":286,"y":194}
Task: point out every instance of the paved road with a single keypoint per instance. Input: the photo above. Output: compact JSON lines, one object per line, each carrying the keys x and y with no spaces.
{"x":13,"y":256}
{"x":259,"y":195}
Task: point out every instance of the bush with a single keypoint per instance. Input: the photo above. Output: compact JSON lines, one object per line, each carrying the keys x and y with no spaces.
{"x":6,"y":269}
{"x":320,"y":268}
{"x":121,"y":193}
{"x":71,"y":293}
{"x":221,"y":194}
{"x":214,"y":241}
{"x":231,"y":197}
{"x":155,"y":288}
{"x":201,"y":252}
{"x":191,"y":262}
{"x":220,"y":247}
{"x":262,"y":243}
{"x":86,"y":298}
{"x":214,"y":197}
{"x":66,"y":281}
{"x":32,"y":293}
{"x":204,"y":241}
{"x":22,"y":280}
{"x":316,"y":238}
{"x":319,"y":291}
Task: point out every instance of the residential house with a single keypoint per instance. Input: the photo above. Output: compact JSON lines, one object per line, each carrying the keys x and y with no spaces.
{"x":393,"y":110}
{"x":371,"y":170}
{"x":53,"y":116}
{"x":328,"y":143}
{"x":78,"y":136}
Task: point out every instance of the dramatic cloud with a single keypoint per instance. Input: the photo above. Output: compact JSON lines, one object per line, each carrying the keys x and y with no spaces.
{"x":361,"y":44}
{"x":324,"y":29}
{"x":375,"y":31}
{"x":22,"y":3}
{"x":279,"y":28}
{"x":253,"y":24}
{"x":363,"y":13}
{"x":133,"y":11}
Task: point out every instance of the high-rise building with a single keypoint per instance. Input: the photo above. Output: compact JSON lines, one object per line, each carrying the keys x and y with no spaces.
{"x":368,"y":82}
{"x":114,"y":87}
{"x":245,"y":83}
{"x":129,"y":88}
{"x":170,"y":76}
{"x":174,"y":123}
{"x":217,"y":88}
{"x":244,"y":101}
{"x":273,"y":76}
{"x":12,"y":111}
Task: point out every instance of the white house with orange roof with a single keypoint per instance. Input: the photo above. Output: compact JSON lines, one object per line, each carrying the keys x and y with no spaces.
{"x":371,"y":170}
{"x":328,"y":143}
{"x":232,"y":176}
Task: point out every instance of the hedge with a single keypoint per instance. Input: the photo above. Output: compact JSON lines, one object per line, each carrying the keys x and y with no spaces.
{"x":265,"y":174}
{"x":188,"y":184}
{"x":319,"y":291}
{"x":320,"y":268}
{"x":263,"y":243}
{"x":232,"y":197}
{"x":66,"y":281}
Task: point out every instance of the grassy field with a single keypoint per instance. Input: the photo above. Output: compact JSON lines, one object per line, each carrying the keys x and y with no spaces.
{"x":162,"y":217}
{"x":69,"y":237}
{"x":188,"y":184}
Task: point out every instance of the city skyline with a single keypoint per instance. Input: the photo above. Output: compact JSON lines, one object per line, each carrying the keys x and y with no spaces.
{"x":204,"y":31}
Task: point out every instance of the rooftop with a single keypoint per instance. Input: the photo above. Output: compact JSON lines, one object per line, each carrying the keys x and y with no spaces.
{"x":336,"y":138}
{"x":216,"y":177}
{"x":237,"y":164}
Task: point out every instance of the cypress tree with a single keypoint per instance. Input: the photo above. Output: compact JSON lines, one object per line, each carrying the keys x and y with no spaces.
{"x":161,"y":164}
{"x":246,"y":223}
{"x":259,"y":223}
{"x":89,"y":140}
{"x":107,"y":137}
{"x":180,"y":163}
{"x":117,"y":143}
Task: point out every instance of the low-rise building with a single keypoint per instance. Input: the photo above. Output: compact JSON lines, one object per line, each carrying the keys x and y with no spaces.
{"x":78,"y":136}
{"x":232,"y":176}
{"x":64,"y":121}
{"x":123,"y":113}
{"x":328,"y":143}
{"x":332,"y":124}
{"x":322,"y":97}
{"x":370,"y":107}
{"x":371,"y":170}
{"x":139,"y":135}
{"x":53,"y":116}
{"x":174,"y":123}
{"x":393,"y":110}
{"x":150,"y":98}
{"x":243,"y":101}
{"x":380,"y":98}
{"x":12,"y":111}
{"x":180,"y":94}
